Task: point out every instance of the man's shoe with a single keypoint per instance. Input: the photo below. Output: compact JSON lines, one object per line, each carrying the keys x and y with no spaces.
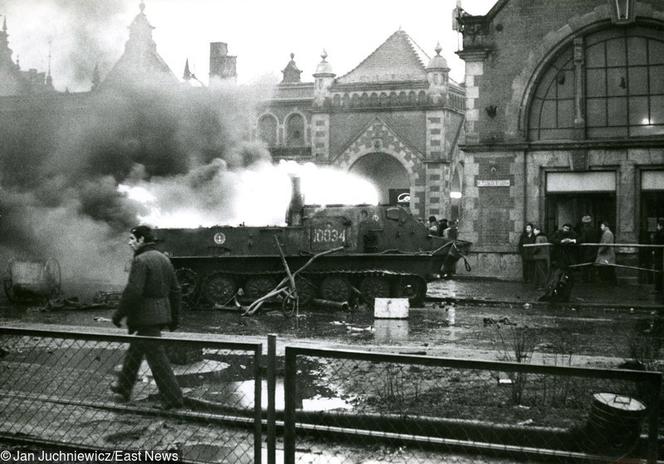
{"x":119,"y":392}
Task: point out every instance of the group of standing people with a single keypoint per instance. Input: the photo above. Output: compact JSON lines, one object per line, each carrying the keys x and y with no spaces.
{"x":444,"y":228}
{"x":537,"y":262}
{"x":449,"y":230}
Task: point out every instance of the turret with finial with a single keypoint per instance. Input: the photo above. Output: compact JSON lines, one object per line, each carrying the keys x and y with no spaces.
{"x":324,"y":76}
{"x":438,"y":76}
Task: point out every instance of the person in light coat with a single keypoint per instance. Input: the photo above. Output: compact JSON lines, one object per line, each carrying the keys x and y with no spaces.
{"x":606,"y":255}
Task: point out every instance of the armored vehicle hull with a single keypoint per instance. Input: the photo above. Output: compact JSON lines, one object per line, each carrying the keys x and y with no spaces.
{"x":383,"y":251}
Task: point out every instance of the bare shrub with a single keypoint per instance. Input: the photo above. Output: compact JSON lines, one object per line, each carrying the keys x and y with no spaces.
{"x":516,"y":344}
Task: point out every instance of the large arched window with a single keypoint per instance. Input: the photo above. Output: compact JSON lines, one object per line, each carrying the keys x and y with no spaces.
{"x":552,"y":108}
{"x":267,"y":130}
{"x":621,"y":91}
{"x":295,"y":131}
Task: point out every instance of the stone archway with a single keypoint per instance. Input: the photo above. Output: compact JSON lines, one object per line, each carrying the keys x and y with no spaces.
{"x":386,"y":172}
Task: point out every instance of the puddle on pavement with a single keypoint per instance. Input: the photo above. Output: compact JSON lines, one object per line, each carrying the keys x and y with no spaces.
{"x":317,"y":402}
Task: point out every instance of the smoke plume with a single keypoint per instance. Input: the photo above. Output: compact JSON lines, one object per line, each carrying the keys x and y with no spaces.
{"x":65,"y":157}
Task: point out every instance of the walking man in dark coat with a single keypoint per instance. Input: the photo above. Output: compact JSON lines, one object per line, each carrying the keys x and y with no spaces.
{"x":150,"y":302}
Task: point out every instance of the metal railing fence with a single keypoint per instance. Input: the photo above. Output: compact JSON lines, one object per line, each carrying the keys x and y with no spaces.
{"x":54,"y":391}
{"x":421,"y":404}
{"x":338,"y":405}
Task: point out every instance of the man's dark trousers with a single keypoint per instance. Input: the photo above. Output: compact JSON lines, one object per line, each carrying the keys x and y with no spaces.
{"x":159,"y":365}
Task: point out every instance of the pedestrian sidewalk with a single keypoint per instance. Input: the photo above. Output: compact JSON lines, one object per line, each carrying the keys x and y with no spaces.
{"x":475,"y":290}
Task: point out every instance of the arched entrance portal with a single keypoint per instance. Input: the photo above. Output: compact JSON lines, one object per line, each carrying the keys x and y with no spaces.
{"x":387,"y":174}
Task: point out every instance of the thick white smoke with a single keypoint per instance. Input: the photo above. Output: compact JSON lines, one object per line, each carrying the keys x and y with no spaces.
{"x":254,"y":196}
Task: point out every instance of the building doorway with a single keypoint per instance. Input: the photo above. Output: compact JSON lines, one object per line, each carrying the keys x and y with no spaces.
{"x":572,"y":195}
{"x":652,"y":208}
{"x":563,"y":208}
{"x":386,"y":173}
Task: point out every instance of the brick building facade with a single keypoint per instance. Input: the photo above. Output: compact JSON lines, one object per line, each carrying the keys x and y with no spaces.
{"x":396,"y":118}
{"x":564,"y":118}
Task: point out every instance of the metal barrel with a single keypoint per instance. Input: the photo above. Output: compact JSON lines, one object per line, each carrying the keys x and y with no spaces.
{"x":614,"y":423}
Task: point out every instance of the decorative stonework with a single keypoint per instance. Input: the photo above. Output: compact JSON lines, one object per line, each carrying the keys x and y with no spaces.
{"x":474,"y":70}
{"x":436,"y":173}
{"x":320,"y":125}
{"x":435,"y":141}
{"x":379,"y":137}
{"x":389,"y":142}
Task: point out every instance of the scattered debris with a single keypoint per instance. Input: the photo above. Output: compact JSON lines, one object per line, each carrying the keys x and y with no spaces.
{"x":110,"y":299}
{"x":72,"y":303}
{"x":350,"y":328}
{"x":503,"y":320}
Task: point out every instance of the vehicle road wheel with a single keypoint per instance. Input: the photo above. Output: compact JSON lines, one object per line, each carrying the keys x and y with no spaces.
{"x":188,"y":281}
{"x":335,"y":288}
{"x":306,"y":290}
{"x":258,"y":286}
{"x":219,"y":289}
{"x":374,"y":287}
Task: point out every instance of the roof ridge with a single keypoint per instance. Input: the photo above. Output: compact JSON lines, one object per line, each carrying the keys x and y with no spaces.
{"x":370,"y":54}
{"x":415,"y":46}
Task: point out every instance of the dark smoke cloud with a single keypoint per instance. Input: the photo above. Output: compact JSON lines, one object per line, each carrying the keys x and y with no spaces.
{"x":62,"y":157}
{"x":65,"y":156}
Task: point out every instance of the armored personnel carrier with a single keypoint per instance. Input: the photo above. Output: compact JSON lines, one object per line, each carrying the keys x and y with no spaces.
{"x":385,"y":252}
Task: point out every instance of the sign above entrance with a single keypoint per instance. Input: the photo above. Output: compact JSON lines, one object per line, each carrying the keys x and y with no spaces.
{"x":581,"y":181}
{"x":652,"y":180}
{"x":493,"y":182}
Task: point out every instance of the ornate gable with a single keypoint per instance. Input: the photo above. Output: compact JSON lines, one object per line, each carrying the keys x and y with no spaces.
{"x":378,"y":137}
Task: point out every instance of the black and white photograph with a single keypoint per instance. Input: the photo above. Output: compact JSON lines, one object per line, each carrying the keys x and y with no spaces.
{"x":345,"y":232}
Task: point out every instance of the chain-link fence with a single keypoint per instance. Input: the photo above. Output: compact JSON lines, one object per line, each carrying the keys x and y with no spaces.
{"x":55,"y":389}
{"x":339,"y":406}
{"x":420,"y":409}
